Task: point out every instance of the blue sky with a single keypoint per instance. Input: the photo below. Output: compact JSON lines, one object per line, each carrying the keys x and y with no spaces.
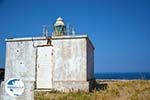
{"x":119,"y":29}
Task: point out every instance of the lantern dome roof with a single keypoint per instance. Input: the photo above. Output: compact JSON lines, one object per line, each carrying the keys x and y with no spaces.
{"x":59,"y":22}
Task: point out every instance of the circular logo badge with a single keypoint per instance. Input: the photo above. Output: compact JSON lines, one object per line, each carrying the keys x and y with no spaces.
{"x":14,"y":87}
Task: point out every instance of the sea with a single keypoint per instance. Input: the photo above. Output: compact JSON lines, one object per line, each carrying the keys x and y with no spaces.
{"x":123,"y":76}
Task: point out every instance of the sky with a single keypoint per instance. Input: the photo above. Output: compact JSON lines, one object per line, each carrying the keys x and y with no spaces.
{"x":118,"y":29}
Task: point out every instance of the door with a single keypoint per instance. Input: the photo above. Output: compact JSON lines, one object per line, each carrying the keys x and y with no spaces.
{"x":44,"y":67}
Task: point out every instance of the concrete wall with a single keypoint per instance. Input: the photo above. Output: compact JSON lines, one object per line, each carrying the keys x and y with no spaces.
{"x":69,"y":59}
{"x":20,"y":60}
{"x":73,"y":63}
{"x":90,"y":60}
{"x":67,"y":86}
{"x":21,"y":57}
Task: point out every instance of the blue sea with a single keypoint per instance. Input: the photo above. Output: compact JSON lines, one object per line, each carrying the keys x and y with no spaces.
{"x":123,"y":76}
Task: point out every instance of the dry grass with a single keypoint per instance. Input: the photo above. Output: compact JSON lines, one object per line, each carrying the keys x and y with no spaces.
{"x":108,"y":90}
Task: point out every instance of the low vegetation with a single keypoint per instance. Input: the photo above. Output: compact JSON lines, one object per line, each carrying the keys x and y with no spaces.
{"x":104,"y":90}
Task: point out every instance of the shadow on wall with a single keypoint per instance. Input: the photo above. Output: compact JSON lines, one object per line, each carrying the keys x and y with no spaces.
{"x":97,"y":85}
{"x":1,"y":74}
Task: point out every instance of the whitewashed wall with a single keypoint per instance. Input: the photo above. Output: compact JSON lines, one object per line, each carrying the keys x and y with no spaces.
{"x":69,"y":59}
{"x":20,"y":60}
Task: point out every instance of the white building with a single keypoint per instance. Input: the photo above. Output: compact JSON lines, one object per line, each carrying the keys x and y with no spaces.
{"x":59,"y":62}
